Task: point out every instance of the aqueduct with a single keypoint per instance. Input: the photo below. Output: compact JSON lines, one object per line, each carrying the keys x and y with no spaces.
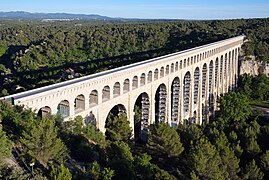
{"x":177,"y":88}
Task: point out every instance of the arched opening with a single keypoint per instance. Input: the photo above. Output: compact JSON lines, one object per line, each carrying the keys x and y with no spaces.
{"x":141,"y":117}
{"x":44,"y":111}
{"x":216,"y":72}
{"x":142,"y":79}
{"x":186,"y":92}
{"x":156,"y":72}
{"x":172,"y":67}
{"x":225,"y":66}
{"x":93,"y":99}
{"x":184,"y":63}
{"x":188,"y":62}
{"x":105,"y":94}
{"x":204,"y":72}
{"x":194,"y":59}
{"x":221,"y":68}
{"x":194,"y":118}
{"x":176,"y":66}
{"x":180,"y":65}
{"x":175,"y":103}
{"x":162,"y":72}
{"x":63,"y":108}
{"x":116,"y":89}
{"x":196,"y":86}
{"x":79,"y":103}
{"x":160,"y":104}
{"x":126,"y":86}
{"x":150,"y":77}
{"x":135,"y":82}
{"x":191,"y":60}
{"x":210,"y":87}
{"x":167,"y":70}
{"x":114,"y":120}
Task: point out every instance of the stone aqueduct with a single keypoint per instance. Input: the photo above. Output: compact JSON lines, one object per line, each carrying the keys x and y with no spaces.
{"x":177,"y":88}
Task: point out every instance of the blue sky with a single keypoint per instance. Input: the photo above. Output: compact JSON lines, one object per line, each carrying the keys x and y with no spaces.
{"x":168,"y":9}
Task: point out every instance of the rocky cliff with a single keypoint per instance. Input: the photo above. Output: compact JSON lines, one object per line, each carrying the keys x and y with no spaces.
{"x":250,"y":66}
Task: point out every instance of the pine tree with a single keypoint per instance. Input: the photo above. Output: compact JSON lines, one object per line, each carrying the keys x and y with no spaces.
{"x":42,"y":142}
{"x":118,"y":128}
{"x":205,"y":161}
{"x":252,"y":171}
{"x":60,"y":173}
{"x":164,"y":141}
{"x":5,"y":145}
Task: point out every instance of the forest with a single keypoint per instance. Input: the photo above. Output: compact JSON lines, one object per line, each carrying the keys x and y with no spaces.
{"x":35,"y":54}
{"x":233,"y":145}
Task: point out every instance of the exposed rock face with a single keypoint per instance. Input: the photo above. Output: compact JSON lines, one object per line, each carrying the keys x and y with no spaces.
{"x":253,"y":67}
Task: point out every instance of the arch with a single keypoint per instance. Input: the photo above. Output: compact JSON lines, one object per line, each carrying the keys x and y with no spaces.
{"x":175,"y":104}
{"x":93,"y":99}
{"x":149,"y":76}
{"x":135,"y":82}
{"x":172,"y":68}
{"x":116,"y":89}
{"x":186,"y":92}
{"x":184,"y":63}
{"x":167,"y":70}
{"x":188,"y":62}
{"x":204,"y":114}
{"x":229,"y":63}
{"x":79,"y":103}
{"x":221,"y":68}
{"x":196,"y":85}
{"x":225,"y":66}
{"x":142,"y":79}
{"x":156,"y":72}
{"x":204,"y":74}
{"x":195,"y":59}
{"x":191,"y":60}
{"x":210,"y":82}
{"x":162,"y":72}
{"x":180,"y":65}
{"x":63,"y":108}
{"x":210,"y":86}
{"x":126,"y":86}
{"x":160,"y":103}
{"x":216,"y":71}
{"x":116,"y":112}
{"x":141,"y":117}
{"x":105,"y":94}
{"x":176,"y":69}
{"x":44,"y":111}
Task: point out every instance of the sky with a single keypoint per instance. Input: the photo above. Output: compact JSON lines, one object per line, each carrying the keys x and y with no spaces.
{"x":149,"y":9}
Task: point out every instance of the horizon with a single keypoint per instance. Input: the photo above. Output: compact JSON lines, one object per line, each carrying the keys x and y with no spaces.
{"x":170,"y":9}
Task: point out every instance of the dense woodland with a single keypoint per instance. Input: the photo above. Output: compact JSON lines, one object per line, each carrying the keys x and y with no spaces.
{"x":34,"y":54}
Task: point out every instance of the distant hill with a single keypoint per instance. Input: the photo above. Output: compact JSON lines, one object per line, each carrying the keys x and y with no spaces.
{"x":51,"y":16}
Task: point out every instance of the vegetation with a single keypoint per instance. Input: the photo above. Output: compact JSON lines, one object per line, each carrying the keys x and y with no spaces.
{"x":35,"y":54}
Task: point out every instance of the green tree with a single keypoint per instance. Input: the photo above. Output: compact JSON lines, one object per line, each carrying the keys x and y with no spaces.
{"x":234,"y":107}
{"x":164,"y":141}
{"x":118,"y":128}
{"x":5,"y":145}
{"x":121,"y":160}
{"x":252,"y":171}
{"x":205,"y":161}
{"x":42,"y":142}
{"x":60,"y":173}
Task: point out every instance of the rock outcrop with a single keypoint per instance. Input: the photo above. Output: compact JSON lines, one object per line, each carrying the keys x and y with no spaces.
{"x":250,"y":66}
